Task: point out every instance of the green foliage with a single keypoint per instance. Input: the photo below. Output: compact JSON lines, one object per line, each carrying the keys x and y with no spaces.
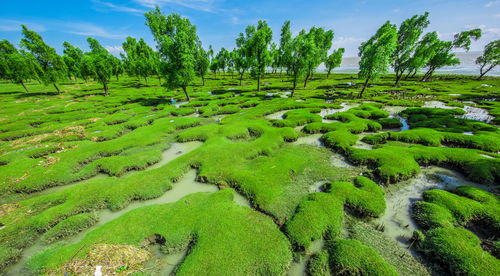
{"x":15,"y":66}
{"x":322,"y":214}
{"x":259,"y":44}
{"x":490,"y":58}
{"x":51,"y":65}
{"x":177,"y":43}
{"x":102,"y":63}
{"x":334,"y":60}
{"x":350,"y":257}
{"x":442,"y":215}
{"x":376,"y":54}
{"x":69,"y":226}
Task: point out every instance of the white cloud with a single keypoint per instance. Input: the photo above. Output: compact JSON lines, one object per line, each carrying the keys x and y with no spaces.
{"x":396,"y":10}
{"x":114,"y":50}
{"x":202,"y":5}
{"x":7,"y":25}
{"x":497,"y":15}
{"x":492,"y":3}
{"x":89,"y":29}
{"x":110,"y":6}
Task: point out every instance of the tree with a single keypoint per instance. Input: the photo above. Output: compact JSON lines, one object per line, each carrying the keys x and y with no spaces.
{"x":442,"y":57}
{"x":102,"y":63}
{"x":156,"y":65}
{"x":51,"y":65}
{"x":86,"y":67}
{"x":14,"y":65}
{"x":131,"y":59}
{"x":464,"y":39}
{"x":425,"y":50}
{"x":408,"y":34}
{"x":72,"y":58}
{"x":117,"y":67}
{"x":259,"y":45}
{"x":145,"y":59}
{"x":376,"y":54}
{"x":177,"y":43}
{"x":321,"y":43}
{"x":334,"y":60}
{"x":489,"y":59}
{"x":275,"y":58}
{"x":442,"y":51}
{"x":214,"y":67}
{"x":284,"y":48}
{"x":300,"y":47}
{"x":222,"y":58}
{"x":202,"y":63}
{"x":243,"y":58}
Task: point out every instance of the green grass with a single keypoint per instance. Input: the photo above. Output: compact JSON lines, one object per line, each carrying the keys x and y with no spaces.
{"x":49,"y":141}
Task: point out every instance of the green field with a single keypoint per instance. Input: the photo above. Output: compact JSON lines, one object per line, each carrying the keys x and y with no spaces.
{"x":79,"y":170}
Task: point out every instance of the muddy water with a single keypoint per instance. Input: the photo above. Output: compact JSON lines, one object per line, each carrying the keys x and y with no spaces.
{"x":362,"y":145}
{"x":400,"y":198}
{"x":164,"y":264}
{"x":298,"y":268}
{"x":328,"y":111}
{"x":276,"y":115}
{"x":312,"y":140}
{"x":471,"y":113}
{"x":394,"y":113}
{"x":187,"y":185}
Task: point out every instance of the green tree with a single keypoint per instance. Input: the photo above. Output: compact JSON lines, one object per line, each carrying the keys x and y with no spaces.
{"x":222,"y":58}
{"x":156,"y":65}
{"x":322,"y":42}
{"x":300,"y":48}
{"x":202,"y":63}
{"x":243,"y":58}
{"x":334,"y":60}
{"x":102,"y":63}
{"x":284,"y":48}
{"x":177,"y":43}
{"x":86,"y":67}
{"x":489,"y":59}
{"x":376,"y":54}
{"x":72,"y":58}
{"x":117,"y":67}
{"x":259,"y":44}
{"x":275,"y":58}
{"x":425,"y":50}
{"x":464,"y":39}
{"x":408,"y":35}
{"x":52,"y":66}
{"x":214,"y":67}
{"x":14,"y":65}
{"x":442,"y":57}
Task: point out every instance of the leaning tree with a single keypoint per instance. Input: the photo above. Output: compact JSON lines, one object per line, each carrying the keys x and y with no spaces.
{"x":52,"y":66}
{"x":376,"y":54}
{"x":489,"y":59}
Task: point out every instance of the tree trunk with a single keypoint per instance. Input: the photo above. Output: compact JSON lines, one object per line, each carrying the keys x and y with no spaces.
{"x":57,"y":88}
{"x":105,"y":89}
{"x":482,"y":73}
{"x":117,"y":79}
{"x":294,"y":85}
{"x":159,"y":78}
{"x":215,"y":75}
{"x":241,"y":77}
{"x":202,"y":78}
{"x":185,"y":92}
{"x":328,"y":74}
{"x":22,"y":83}
{"x":364,"y":87}
{"x":305,"y":81}
{"x":146,"y":79}
{"x":398,"y":78}
{"x":258,"y":83}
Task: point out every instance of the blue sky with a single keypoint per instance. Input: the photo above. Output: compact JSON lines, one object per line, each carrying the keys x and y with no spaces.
{"x":219,"y":22}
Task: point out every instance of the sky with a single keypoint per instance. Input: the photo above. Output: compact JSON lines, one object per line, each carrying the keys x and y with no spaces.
{"x":219,"y":22}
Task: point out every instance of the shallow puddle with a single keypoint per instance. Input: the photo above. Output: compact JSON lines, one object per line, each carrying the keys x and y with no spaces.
{"x":312,"y":140}
{"x":400,"y":197}
{"x":276,"y":115}
{"x":477,"y":114}
{"x":164,"y":264}
{"x":299,"y":268}
{"x":345,"y":107}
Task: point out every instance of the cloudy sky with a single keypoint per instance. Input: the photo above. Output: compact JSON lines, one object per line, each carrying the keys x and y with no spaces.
{"x":219,"y":22}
